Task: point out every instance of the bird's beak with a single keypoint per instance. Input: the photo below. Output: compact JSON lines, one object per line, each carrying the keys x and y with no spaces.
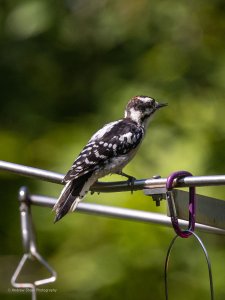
{"x":160,"y":105}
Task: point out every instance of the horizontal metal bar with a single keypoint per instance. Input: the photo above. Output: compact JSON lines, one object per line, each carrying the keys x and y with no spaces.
{"x":122,"y":213}
{"x":114,"y":186}
{"x":31,"y":172}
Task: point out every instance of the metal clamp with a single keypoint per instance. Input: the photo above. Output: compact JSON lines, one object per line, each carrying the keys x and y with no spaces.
{"x":30,"y":248}
{"x":157,"y":193}
{"x":172,"y":208}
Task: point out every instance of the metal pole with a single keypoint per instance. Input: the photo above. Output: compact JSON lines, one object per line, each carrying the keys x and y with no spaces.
{"x":122,"y":213}
{"x":211,"y":180}
{"x":31,"y":172}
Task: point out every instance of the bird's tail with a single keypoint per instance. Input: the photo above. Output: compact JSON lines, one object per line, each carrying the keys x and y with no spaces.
{"x":71,"y":195}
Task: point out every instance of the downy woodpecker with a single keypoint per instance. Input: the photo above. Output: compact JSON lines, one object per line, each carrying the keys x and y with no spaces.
{"x":108,"y":151}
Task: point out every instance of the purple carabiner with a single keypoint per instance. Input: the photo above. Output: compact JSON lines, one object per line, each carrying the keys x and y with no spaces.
{"x":191,"y":207}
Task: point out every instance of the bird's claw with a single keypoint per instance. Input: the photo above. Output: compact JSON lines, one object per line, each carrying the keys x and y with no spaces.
{"x":130,"y":181}
{"x":92,"y":192}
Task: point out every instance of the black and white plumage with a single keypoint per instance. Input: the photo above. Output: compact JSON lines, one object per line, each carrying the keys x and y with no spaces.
{"x":108,"y":151}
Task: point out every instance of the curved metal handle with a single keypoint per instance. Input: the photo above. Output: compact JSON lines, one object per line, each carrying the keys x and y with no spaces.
{"x":172,"y":208}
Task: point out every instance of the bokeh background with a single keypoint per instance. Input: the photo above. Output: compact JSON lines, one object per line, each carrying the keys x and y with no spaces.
{"x":67,"y":68}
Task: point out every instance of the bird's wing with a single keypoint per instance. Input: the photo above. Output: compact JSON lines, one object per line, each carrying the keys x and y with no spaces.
{"x":114,"y":139}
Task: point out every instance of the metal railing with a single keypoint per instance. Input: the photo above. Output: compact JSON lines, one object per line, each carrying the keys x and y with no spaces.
{"x":153,"y":184}
{"x":155,"y":187}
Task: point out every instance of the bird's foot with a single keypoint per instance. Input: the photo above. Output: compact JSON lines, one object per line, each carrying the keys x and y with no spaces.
{"x":130,"y":180}
{"x":92,"y":192}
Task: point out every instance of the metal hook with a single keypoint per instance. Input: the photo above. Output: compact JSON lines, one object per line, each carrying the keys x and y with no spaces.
{"x":172,"y":207}
{"x":207,"y":261}
{"x":30,"y":248}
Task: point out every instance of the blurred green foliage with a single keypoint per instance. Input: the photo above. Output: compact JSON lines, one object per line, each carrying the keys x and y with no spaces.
{"x":68,"y":67}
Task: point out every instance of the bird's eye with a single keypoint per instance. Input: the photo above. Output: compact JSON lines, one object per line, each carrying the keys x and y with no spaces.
{"x":153,"y":102}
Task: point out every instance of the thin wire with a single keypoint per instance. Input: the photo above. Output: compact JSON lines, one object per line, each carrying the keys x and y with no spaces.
{"x":207,"y":261}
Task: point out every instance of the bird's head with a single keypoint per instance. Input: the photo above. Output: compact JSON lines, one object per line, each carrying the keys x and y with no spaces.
{"x":140,"y":109}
